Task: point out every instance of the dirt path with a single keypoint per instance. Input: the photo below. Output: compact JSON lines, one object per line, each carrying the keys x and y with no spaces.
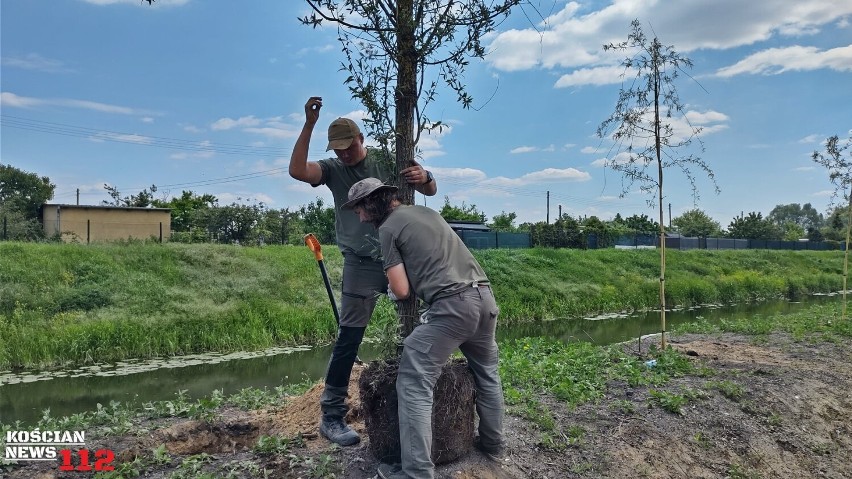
{"x":777,"y":408}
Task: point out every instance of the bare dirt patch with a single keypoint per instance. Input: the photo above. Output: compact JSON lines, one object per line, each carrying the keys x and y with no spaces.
{"x":772,"y":408}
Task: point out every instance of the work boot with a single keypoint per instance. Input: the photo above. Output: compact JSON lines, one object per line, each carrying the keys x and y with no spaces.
{"x":391,"y":471}
{"x":335,"y":430}
{"x":496,"y":454}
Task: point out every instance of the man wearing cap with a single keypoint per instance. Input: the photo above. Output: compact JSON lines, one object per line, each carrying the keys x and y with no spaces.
{"x":423,"y":255}
{"x":363,"y":276}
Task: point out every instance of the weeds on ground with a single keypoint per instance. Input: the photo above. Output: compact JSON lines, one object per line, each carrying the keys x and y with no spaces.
{"x":624,"y":406}
{"x":701,"y":440}
{"x":674,"y":402}
{"x":267,"y":445}
{"x":738,"y":471}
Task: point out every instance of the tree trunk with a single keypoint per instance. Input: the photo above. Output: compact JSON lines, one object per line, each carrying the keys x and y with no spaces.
{"x":846,"y":256}
{"x":656,"y":61}
{"x":406,"y":103}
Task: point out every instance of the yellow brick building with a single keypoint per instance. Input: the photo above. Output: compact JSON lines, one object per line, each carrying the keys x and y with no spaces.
{"x":88,"y":224}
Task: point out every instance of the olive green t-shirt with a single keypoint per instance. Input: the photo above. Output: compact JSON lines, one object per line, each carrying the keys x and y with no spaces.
{"x":436,"y":260}
{"x":352,"y":235}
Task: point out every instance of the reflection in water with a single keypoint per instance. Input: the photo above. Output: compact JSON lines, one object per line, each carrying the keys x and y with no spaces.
{"x":66,"y":395}
{"x":611,"y":329}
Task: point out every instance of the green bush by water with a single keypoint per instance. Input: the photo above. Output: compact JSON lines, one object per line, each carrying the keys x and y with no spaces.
{"x":72,"y":303}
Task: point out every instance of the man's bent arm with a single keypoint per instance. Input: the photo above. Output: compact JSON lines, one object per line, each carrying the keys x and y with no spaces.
{"x":418,"y":177}
{"x":398,"y":281}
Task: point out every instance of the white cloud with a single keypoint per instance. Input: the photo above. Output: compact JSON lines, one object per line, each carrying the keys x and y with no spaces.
{"x":34,"y":61}
{"x":319,"y":49}
{"x":547,"y":175}
{"x":589,"y":150}
{"x":204,"y":154}
{"x":147,"y":119}
{"x":429,"y":144}
{"x":620,"y":158}
{"x":804,"y":168}
{"x":9,"y":99}
{"x":465,"y":174}
{"x":533,"y":149}
{"x":192,"y":129}
{"x":594,"y":76}
{"x":272,"y":132}
{"x":120,"y":137}
{"x":269,"y":127}
{"x":824,"y":193}
{"x":96,"y":106}
{"x":262,"y":166}
{"x":228,"y":123}
{"x":684,"y":126}
{"x":705,"y":117}
{"x":815,"y":138}
{"x":573,"y":38}
{"x":205,"y":150}
{"x":795,"y":58}
{"x":524,"y":149}
{"x":14,"y":101}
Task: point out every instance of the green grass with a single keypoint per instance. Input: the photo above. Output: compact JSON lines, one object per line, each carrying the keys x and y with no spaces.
{"x":66,"y":304}
{"x":579,"y":372}
{"x":817,"y":323}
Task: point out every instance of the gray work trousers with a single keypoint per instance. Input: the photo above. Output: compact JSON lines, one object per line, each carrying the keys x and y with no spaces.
{"x":467,"y":321}
{"x":363,"y":280}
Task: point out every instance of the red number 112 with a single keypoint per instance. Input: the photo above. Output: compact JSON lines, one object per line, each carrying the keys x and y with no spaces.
{"x":104,"y":458}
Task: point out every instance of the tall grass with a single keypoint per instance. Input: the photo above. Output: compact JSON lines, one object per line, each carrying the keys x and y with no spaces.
{"x":71,"y":303}
{"x":545,"y":283}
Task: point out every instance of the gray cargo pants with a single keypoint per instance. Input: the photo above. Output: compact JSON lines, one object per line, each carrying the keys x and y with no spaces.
{"x":467,"y":321}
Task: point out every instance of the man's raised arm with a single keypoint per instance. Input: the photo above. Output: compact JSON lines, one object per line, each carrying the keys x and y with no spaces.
{"x":300,"y":168}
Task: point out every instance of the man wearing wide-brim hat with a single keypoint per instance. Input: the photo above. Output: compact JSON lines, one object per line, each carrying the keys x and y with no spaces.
{"x":423,"y":255}
{"x":363,"y":277}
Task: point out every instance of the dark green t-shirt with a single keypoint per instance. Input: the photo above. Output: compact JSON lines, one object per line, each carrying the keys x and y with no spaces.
{"x":436,"y":260}
{"x":352,"y":235}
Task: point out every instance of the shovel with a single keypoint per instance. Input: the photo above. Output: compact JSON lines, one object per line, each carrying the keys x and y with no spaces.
{"x":314,"y":245}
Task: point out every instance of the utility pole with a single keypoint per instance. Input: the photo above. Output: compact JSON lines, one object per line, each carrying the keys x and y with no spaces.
{"x":560,"y":213}
{"x":78,"y":196}
{"x":548,"y":206}
{"x":670,"y":216}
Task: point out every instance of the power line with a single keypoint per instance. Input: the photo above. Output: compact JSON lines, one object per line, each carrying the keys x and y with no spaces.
{"x":138,"y":139}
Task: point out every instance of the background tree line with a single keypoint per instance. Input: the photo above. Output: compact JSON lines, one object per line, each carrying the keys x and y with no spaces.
{"x":200,"y":218}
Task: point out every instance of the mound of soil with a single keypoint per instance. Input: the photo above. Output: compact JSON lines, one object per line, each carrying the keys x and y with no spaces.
{"x":777,"y":408}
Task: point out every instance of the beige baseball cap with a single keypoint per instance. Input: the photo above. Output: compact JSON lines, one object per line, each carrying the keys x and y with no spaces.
{"x":341,"y":132}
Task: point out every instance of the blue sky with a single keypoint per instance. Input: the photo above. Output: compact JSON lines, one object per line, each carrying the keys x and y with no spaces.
{"x":208,"y":96}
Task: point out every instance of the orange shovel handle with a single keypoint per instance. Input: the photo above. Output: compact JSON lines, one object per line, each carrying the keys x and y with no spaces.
{"x":314,"y":245}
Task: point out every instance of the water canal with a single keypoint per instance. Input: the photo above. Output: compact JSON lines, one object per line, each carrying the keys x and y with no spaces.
{"x":24,"y":395}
